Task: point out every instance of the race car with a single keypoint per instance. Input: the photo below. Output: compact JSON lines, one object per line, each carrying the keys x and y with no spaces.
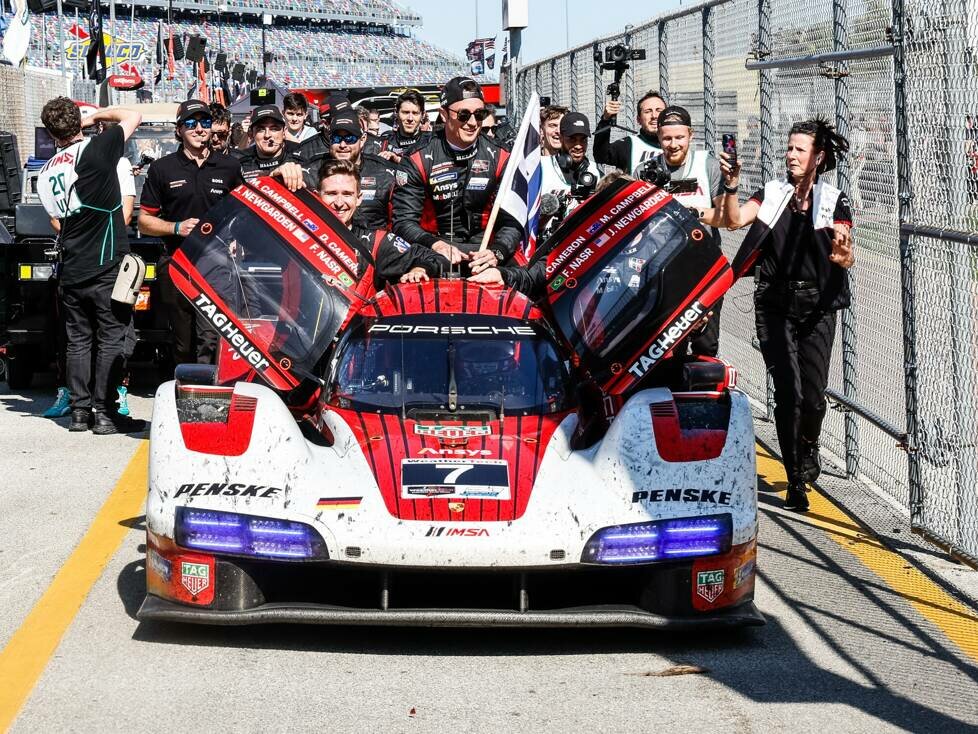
{"x":448,"y":453}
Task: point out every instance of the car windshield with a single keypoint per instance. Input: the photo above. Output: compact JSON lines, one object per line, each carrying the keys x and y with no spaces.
{"x":435,"y":362}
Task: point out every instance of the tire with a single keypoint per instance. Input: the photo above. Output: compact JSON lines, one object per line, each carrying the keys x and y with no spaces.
{"x":20,"y":373}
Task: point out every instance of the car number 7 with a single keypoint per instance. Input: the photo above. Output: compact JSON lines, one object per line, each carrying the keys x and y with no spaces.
{"x":456,"y":471}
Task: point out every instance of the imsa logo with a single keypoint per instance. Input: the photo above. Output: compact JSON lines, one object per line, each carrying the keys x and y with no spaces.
{"x":443,"y":531}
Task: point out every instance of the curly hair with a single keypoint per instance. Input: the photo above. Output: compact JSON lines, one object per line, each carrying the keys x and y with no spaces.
{"x":827,"y":140}
{"x":61,"y":118}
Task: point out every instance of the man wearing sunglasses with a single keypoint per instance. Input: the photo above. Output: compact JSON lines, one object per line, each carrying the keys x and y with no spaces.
{"x":446,"y":188}
{"x":220,"y":128}
{"x":270,"y":153}
{"x":179,"y":189}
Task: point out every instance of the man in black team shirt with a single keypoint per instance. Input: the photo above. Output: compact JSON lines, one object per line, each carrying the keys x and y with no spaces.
{"x":626,"y":154}
{"x":79,"y":187}
{"x":270,"y":152}
{"x":407,"y":135}
{"x":179,"y":189}
{"x":447,"y":188}
{"x":376,"y":176}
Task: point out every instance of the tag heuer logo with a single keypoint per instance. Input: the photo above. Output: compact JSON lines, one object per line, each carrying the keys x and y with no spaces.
{"x":195,"y":577}
{"x":709,"y":584}
{"x":452,"y":431}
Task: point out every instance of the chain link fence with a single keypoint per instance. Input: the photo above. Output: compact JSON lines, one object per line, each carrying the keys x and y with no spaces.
{"x":900,"y":80}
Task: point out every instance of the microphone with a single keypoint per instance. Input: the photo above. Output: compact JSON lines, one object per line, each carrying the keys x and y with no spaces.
{"x":549,"y":205}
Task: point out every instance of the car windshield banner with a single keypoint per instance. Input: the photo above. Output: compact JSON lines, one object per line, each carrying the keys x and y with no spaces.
{"x":268,"y":255}
{"x":631,"y":275}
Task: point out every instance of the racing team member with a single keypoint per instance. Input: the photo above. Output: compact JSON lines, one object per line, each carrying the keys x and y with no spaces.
{"x":295,"y":107}
{"x":800,"y":242}
{"x":376,"y":175}
{"x":79,"y":186}
{"x":316,"y":147}
{"x":392,"y":259}
{"x":562,"y":171}
{"x":630,"y":152}
{"x":220,"y":128}
{"x":550,"y":117}
{"x":407,"y":135}
{"x":447,"y":188}
{"x":699,"y":184}
{"x":179,"y":189}
{"x":270,"y":149}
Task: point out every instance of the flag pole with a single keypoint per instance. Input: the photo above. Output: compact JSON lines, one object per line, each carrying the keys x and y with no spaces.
{"x":507,"y":181}
{"x":61,"y":38}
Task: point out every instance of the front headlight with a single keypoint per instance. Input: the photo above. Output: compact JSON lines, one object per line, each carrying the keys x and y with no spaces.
{"x":247,"y":535}
{"x":662,"y":540}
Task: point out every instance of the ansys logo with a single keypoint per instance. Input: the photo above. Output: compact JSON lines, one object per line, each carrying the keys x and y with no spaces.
{"x":117,"y":50}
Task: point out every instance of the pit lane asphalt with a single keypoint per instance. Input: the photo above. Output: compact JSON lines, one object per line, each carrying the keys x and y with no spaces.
{"x":842,"y":650}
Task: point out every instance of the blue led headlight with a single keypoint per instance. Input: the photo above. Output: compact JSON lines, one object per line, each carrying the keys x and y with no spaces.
{"x":247,"y":535}
{"x":662,"y":540}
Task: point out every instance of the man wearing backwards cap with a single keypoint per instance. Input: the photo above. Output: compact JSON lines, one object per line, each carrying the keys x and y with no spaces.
{"x":695,"y":182}
{"x":376,"y":175}
{"x":446,"y":188}
{"x":562,"y":171}
{"x":270,"y":153}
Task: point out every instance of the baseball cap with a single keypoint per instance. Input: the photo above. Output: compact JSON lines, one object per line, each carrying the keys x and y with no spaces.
{"x":333,"y":104}
{"x":345,"y":120}
{"x":267,"y":112}
{"x":575,"y":123}
{"x":191,"y":107}
{"x":454,"y":92}
{"x":675,"y":115}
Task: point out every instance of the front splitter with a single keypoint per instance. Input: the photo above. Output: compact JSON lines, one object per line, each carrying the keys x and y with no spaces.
{"x":156,"y":609}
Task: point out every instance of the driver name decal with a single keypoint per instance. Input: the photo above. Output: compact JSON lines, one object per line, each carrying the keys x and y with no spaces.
{"x":661,"y":346}
{"x":234,"y":336}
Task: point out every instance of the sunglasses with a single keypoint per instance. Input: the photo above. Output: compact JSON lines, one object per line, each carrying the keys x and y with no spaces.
{"x":218,"y":135}
{"x":465,"y":115}
{"x":192,"y":123}
{"x":349,"y":138}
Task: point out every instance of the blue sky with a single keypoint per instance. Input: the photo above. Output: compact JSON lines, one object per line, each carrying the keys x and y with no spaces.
{"x":451,"y":24}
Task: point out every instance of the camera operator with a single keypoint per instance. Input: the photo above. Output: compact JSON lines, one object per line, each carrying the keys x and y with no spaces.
{"x":567,"y":177}
{"x":407,"y":134}
{"x":391,"y":259}
{"x":80,"y":188}
{"x":629,"y":153}
{"x":179,"y":189}
{"x":271,"y":152}
{"x":800,"y":244}
{"x":295,"y":108}
{"x":550,"y":117}
{"x":376,"y":176}
{"x":220,"y":128}
{"x":695,"y":180}
{"x":446,"y":189}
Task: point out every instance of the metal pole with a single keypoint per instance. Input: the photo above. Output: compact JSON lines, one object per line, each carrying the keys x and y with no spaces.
{"x":574,"y":100}
{"x":61,"y":37}
{"x":515,"y":41}
{"x":709,"y":92}
{"x":767,"y":132}
{"x":907,"y":266}
{"x":554,"y":85}
{"x":598,"y":83}
{"x":843,"y":120}
{"x":566,"y":25}
{"x":663,"y":62}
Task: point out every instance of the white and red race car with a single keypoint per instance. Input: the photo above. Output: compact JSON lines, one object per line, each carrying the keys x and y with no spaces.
{"x":448,"y":453}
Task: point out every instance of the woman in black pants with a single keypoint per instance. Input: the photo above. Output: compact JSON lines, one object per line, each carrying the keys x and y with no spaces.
{"x":800,"y":244}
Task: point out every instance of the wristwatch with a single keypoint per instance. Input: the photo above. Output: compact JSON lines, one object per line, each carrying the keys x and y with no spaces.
{"x":500,"y":257}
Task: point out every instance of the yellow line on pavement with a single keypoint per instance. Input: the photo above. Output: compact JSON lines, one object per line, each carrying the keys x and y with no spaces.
{"x":27,"y":653}
{"x":955,"y":619}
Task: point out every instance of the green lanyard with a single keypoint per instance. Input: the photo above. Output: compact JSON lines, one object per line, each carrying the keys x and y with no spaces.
{"x":109,"y":231}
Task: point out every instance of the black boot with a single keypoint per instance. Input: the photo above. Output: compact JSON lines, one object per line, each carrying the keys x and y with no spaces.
{"x":797,"y":497}
{"x":809,"y":460}
{"x":81,"y":420}
{"x":109,"y":423}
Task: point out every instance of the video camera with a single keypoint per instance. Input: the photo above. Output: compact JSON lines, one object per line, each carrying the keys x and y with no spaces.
{"x":616,"y":59}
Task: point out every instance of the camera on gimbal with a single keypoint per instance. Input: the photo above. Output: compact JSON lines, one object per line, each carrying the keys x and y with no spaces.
{"x":616,"y":59}
{"x":584,"y":186}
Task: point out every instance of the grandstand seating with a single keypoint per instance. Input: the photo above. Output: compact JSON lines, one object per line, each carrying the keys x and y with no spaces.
{"x":305,"y":55}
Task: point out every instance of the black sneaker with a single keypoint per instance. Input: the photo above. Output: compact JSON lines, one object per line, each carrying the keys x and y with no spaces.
{"x":81,"y":420}
{"x":809,"y":461}
{"x":107,"y":424}
{"x":797,"y":497}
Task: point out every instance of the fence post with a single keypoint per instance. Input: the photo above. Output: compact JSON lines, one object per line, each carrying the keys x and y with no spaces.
{"x":598,"y":84}
{"x":573,"y":82}
{"x":843,"y":120}
{"x":904,"y":188}
{"x":709,"y":92}
{"x":767,"y":133}
{"x":663,"y":62}
{"x":554,"y":85}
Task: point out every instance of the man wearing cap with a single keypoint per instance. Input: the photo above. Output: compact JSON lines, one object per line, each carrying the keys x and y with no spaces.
{"x":179,"y":189}
{"x":270,"y":153}
{"x":376,"y":175}
{"x":562,"y":171}
{"x":317,"y":146}
{"x":447,"y":188}
{"x":630,"y":152}
{"x":695,"y":182}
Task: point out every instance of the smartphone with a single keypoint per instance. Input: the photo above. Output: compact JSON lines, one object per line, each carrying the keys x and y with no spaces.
{"x":730,"y":147}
